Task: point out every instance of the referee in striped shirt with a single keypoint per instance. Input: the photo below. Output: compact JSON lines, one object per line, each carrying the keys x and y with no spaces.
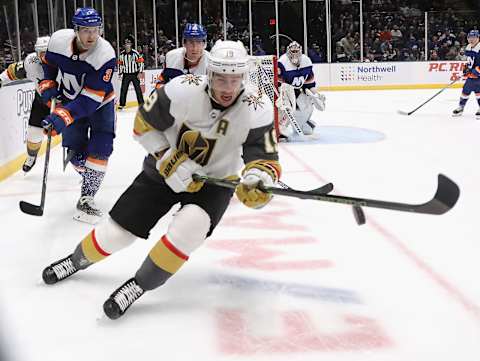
{"x":130,"y":64}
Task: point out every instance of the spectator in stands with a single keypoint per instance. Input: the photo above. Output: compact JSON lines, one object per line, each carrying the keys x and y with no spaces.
{"x":348,"y":44}
{"x":340,"y":55}
{"x":397,"y":35}
{"x":461,"y":55}
{"x":258,"y":51}
{"x":434,"y":55}
{"x":314,"y":53}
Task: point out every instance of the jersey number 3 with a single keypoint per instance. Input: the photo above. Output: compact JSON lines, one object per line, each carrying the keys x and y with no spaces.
{"x":108,"y":75}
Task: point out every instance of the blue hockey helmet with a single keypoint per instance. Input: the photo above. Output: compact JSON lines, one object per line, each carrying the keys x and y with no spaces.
{"x":86,"y":17}
{"x":473,"y":34}
{"x":195,"y":32}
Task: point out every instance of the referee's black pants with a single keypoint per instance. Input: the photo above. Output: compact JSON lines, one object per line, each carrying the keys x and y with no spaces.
{"x":126,"y":79}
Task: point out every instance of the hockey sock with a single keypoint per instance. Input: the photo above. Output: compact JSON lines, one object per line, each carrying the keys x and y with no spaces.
{"x":463,"y":100}
{"x":93,"y":176}
{"x":88,"y":252}
{"x":162,"y":262}
{"x":33,"y":148}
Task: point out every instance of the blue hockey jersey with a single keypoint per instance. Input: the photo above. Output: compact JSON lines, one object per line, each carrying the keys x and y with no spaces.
{"x":301,"y":76}
{"x":83,"y":80}
{"x":473,"y":60}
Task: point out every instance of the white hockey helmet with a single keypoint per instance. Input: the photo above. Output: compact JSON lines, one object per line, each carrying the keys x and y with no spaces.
{"x":228,"y":57}
{"x":294,"y":52}
{"x":41,"y":44}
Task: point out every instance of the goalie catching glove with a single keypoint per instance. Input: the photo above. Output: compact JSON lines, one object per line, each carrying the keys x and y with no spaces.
{"x":177,"y":169}
{"x":256,"y":175}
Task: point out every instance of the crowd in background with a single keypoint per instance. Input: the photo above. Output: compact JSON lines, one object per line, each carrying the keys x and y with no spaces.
{"x":393,"y":30}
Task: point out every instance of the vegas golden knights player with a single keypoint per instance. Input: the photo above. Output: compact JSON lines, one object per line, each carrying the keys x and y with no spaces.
{"x":194,"y":124}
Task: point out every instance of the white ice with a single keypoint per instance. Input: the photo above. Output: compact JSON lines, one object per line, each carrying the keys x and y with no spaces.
{"x":297,"y":280}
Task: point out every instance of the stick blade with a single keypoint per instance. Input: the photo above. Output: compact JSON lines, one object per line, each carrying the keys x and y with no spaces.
{"x":445,"y":198}
{"x":31,"y":209}
{"x":402,"y":112}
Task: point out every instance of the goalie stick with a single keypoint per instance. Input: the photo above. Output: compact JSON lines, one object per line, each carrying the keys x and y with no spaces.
{"x":421,"y":105}
{"x":445,"y":197}
{"x":30,"y":208}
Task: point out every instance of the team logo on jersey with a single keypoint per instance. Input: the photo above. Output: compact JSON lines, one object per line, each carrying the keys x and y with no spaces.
{"x":298,"y":81}
{"x":70,"y":84}
{"x":192,"y":79}
{"x":198,"y":148}
{"x":253,"y":100}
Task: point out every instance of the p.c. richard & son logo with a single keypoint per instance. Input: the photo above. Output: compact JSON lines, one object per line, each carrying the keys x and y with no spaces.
{"x":366,"y":73}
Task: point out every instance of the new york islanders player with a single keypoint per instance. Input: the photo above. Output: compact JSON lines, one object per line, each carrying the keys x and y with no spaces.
{"x":194,"y":124}
{"x":471,"y":73}
{"x":189,"y":59}
{"x":78,"y":67}
{"x":296,"y":70}
{"x":31,"y":68}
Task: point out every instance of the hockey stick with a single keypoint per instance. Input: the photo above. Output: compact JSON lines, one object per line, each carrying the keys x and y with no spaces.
{"x":16,"y":82}
{"x":284,"y":191}
{"x":30,"y":208}
{"x":445,"y":197}
{"x":421,"y":105}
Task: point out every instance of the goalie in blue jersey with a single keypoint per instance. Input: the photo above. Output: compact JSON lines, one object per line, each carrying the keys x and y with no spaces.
{"x":298,"y":94}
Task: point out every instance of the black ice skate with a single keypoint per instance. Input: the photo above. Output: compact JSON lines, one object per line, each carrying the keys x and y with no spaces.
{"x":59,"y":271}
{"x":123,"y":297}
{"x":458,"y":111}
{"x":477,"y":114}
{"x":29,"y":163}
{"x":87,"y":211}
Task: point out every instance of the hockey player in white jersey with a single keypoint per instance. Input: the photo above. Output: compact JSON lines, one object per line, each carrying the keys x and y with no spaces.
{"x":191,"y":58}
{"x":31,"y":68}
{"x":198,"y":124}
{"x":297,"y":91}
{"x":78,"y":67}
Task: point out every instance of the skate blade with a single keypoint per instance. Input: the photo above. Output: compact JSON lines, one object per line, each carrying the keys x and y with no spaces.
{"x":86,"y":218}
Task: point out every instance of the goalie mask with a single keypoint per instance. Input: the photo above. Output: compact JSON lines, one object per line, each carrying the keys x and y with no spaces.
{"x":294,"y":53}
{"x":227,"y":69}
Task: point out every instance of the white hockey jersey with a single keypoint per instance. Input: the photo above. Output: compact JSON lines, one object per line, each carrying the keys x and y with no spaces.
{"x":30,"y":68}
{"x":176,"y":65}
{"x":181,"y":115}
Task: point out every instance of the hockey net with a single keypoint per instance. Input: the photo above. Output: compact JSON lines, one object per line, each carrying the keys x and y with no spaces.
{"x":263,"y":77}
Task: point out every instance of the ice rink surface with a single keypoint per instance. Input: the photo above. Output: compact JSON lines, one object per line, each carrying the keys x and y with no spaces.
{"x":297,"y":280}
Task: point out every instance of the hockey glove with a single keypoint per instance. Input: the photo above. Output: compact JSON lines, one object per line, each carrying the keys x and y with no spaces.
{"x":55,"y":122}
{"x":318,"y":100}
{"x":250,"y":192}
{"x":177,"y":169}
{"x":48,"y":90}
{"x":58,"y":120}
